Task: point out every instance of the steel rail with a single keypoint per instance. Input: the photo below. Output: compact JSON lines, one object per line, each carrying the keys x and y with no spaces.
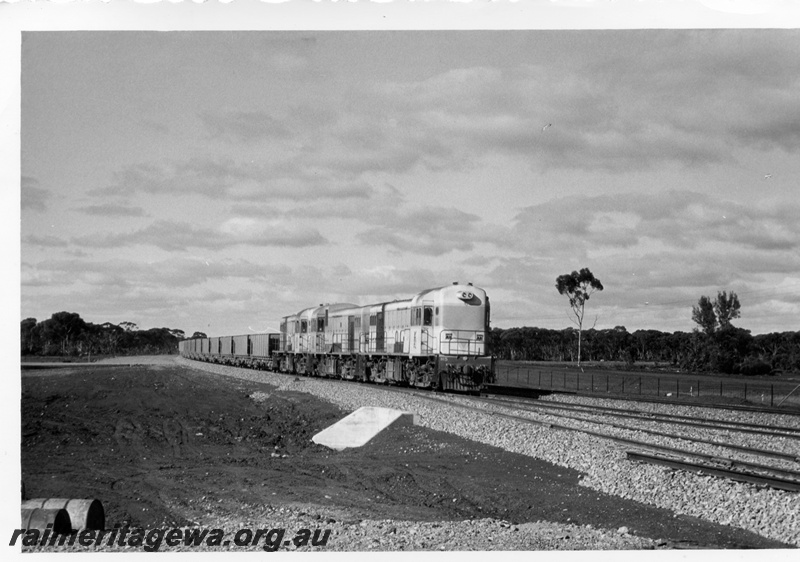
{"x":738,"y":475}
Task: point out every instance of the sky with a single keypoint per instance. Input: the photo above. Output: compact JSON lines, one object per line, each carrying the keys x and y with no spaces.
{"x":217,"y":180}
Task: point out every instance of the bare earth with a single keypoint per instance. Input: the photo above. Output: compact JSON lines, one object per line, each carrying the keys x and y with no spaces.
{"x":165,"y":446}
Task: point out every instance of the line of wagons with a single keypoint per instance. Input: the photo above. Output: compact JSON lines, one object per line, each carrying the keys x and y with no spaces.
{"x":436,"y":339}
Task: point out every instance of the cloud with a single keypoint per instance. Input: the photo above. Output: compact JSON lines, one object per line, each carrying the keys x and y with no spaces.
{"x":636,"y":222}
{"x":113,"y":210}
{"x":244,"y":126}
{"x":374,"y":284}
{"x":45,"y":241}
{"x":431,"y":231}
{"x":180,"y":236}
{"x":227,"y":179}
{"x":178,"y":273}
{"x":685,"y":97}
{"x":677,"y":96}
{"x":33,"y":197}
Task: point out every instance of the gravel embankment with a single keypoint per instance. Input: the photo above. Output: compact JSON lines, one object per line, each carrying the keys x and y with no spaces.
{"x":770,"y":513}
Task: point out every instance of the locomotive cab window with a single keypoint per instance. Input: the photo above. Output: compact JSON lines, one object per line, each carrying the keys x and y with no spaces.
{"x":303,"y":326}
{"x":320,"y":324}
{"x":427,"y":318}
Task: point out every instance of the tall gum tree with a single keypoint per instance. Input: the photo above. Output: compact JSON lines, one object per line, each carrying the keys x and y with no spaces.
{"x":711,"y":315}
{"x":727,"y":307}
{"x":578,"y":286}
{"x":703,"y":314}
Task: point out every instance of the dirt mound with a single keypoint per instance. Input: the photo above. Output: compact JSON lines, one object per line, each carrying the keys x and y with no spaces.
{"x":171,"y":446}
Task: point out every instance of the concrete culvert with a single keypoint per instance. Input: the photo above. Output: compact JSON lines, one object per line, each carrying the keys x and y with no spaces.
{"x":84,"y":514}
{"x":39,"y":519}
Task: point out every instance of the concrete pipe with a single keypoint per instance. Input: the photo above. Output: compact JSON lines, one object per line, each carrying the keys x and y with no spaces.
{"x":84,"y":514}
{"x":39,"y":519}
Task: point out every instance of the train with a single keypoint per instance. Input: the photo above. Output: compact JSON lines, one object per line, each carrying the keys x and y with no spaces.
{"x":436,"y":339}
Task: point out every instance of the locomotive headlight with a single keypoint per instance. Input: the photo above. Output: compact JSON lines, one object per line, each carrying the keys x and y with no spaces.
{"x":479,"y":337}
{"x":465,"y":295}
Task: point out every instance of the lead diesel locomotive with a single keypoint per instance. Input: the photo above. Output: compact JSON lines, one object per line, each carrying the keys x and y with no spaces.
{"x":436,"y":339}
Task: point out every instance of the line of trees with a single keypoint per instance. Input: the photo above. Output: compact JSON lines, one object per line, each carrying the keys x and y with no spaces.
{"x":715,"y":346}
{"x":66,"y":334}
{"x":731,"y":350}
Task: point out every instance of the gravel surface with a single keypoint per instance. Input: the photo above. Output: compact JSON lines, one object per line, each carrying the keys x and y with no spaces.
{"x":771,"y":513}
{"x":392,"y":535}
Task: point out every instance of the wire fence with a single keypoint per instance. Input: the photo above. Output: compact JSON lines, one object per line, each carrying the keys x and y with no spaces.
{"x":648,"y":385}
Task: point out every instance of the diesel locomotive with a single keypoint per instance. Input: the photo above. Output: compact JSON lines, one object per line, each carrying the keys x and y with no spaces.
{"x":437,"y":339}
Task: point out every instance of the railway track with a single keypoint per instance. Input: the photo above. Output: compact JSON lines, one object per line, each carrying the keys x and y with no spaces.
{"x":792,"y":484}
{"x":673,"y":419}
{"x":674,"y":457}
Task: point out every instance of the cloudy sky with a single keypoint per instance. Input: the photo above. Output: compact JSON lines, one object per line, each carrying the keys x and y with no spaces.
{"x":218,"y":180}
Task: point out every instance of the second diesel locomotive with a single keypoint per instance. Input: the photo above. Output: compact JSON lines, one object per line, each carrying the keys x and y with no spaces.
{"x":436,"y":339}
